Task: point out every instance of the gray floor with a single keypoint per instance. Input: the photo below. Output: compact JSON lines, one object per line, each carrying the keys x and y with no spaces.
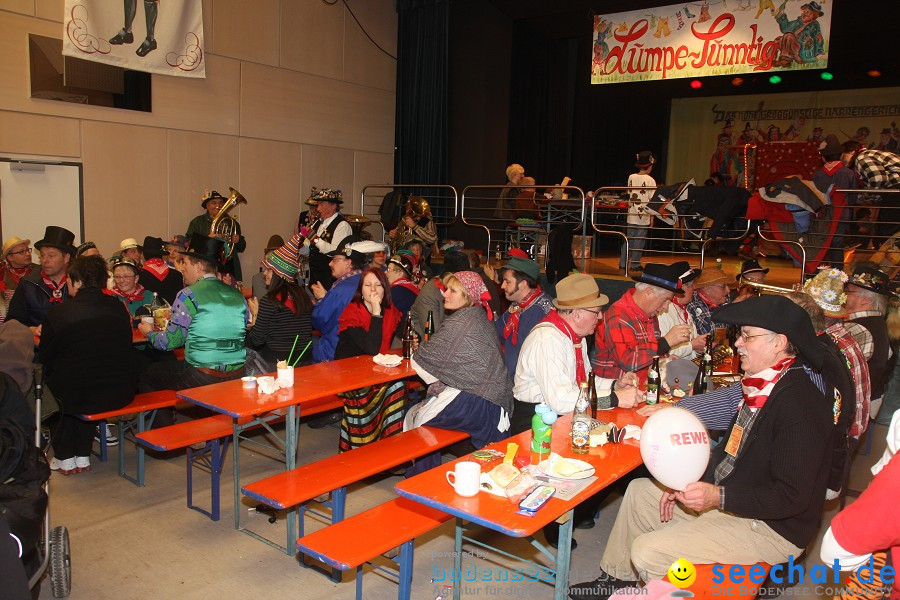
{"x":130,"y":542}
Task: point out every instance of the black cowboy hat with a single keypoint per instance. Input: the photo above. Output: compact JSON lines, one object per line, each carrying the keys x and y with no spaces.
{"x":154,"y":247}
{"x":778,"y":314}
{"x":212,"y":250}
{"x":213,"y":195}
{"x":867,"y":277}
{"x":343,"y":248}
{"x":688,"y":274}
{"x":57,"y":237}
{"x":662,"y":276}
{"x":751,"y":266}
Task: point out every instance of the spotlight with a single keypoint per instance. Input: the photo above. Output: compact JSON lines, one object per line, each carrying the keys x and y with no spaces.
{"x":737,"y":81}
{"x":696,"y":84}
{"x":774,"y":79}
{"x":825,"y":75}
{"x":874,"y":73}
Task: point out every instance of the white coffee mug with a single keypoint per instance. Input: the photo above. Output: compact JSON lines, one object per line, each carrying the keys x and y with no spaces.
{"x":466,"y":478}
{"x":286,"y":377}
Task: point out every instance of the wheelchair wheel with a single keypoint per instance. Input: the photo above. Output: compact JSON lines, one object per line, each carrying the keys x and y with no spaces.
{"x":60,"y":562}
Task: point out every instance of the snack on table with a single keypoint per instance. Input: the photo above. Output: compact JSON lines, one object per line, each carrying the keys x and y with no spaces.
{"x":503,"y":474}
{"x":599,"y":435}
{"x":281,"y":364}
{"x":557,"y":465}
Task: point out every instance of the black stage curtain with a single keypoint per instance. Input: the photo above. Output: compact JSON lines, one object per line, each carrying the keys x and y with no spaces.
{"x":421,"y":130}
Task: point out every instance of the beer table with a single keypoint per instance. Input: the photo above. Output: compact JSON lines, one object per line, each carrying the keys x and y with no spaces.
{"x":611,"y":462}
{"x":249,"y":408}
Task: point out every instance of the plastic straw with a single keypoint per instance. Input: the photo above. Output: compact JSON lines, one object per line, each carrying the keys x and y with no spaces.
{"x":296,"y":337}
{"x":308,"y":344}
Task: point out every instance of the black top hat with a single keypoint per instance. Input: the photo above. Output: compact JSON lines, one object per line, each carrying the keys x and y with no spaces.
{"x":688,"y":274}
{"x":751,"y":266}
{"x":213,"y":195}
{"x":212,"y":250}
{"x":662,"y":276}
{"x":57,"y":237}
{"x":815,"y":7}
{"x":357,"y":258}
{"x":778,"y":314}
{"x":868,"y":278}
{"x":644,"y":159}
{"x":154,"y":247}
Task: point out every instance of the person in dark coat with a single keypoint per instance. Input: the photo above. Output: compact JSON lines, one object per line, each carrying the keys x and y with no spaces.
{"x":43,"y":288}
{"x":156,"y":275}
{"x":86,"y":353}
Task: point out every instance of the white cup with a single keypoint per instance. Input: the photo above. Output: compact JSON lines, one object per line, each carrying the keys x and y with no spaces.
{"x":248,"y":381}
{"x":147,"y":319}
{"x":466,"y":478}
{"x":286,"y":377}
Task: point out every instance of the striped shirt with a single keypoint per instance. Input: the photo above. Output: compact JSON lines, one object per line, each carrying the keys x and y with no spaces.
{"x":276,"y":327}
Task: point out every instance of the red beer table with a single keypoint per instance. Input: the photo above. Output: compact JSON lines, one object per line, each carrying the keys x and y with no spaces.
{"x":249,"y":408}
{"x":611,"y":462}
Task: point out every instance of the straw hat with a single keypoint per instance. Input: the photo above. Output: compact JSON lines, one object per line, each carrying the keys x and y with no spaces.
{"x":711,"y":276}
{"x":11,"y":243}
{"x":578,"y":290}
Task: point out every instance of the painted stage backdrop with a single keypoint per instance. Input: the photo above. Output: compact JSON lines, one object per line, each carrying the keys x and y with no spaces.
{"x":711,"y":134}
{"x":156,"y":36}
{"x":705,"y":38}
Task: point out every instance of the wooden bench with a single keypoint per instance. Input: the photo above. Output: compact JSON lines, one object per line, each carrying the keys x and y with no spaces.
{"x":143,"y":405}
{"x":357,"y":540}
{"x":333,"y":474}
{"x":214,"y":433}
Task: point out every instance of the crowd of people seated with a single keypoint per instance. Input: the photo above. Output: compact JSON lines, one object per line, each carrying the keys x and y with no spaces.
{"x":491,"y":343}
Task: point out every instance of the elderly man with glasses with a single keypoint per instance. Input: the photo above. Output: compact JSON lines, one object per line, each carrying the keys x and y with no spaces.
{"x":762,"y":495}
{"x":711,"y":292}
{"x":15,"y":264}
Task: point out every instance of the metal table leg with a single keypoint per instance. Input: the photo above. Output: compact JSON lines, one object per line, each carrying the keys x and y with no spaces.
{"x":563,"y":555}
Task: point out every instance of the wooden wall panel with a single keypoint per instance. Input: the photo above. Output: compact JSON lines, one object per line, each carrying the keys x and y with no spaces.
{"x":26,"y":7}
{"x":364,"y":63}
{"x":328,"y":167}
{"x":211,"y":105}
{"x":270,"y":180}
{"x":125,"y":176}
{"x":247,"y":30}
{"x":197,"y":162}
{"x":313,"y":37}
{"x":23,"y":133}
{"x":52,"y":10}
{"x":371,"y":168}
{"x":295,"y":107}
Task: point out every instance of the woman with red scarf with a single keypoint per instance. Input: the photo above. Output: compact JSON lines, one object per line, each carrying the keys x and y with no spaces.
{"x":367,"y":326}
{"x":126,"y":287}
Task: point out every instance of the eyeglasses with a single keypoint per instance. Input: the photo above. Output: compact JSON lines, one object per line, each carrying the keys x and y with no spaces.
{"x":595,"y":312}
{"x":124,"y":276}
{"x":746,"y":337}
{"x":25,"y":251}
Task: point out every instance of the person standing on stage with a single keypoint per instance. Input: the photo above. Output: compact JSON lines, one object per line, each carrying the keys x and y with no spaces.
{"x":638,"y":219}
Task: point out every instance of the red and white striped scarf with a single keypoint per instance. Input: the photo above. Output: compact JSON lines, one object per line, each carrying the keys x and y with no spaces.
{"x":56,"y":289}
{"x":157,"y":267}
{"x":758,"y":387}
{"x":511,"y":329}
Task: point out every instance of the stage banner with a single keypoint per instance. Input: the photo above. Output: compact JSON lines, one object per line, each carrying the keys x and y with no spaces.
{"x":156,"y":36}
{"x":699,"y":39}
{"x":711,"y":134}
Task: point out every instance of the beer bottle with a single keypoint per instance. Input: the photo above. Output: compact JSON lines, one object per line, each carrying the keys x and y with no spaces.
{"x":429,"y":326}
{"x":408,"y":339}
{"x":701,"y":380}
{"x":593,"y":394}
{"x":581,"y":425}
{"x":653,"y":382}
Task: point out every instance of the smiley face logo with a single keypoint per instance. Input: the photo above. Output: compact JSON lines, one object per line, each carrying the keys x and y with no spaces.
{"x":682,"y":573}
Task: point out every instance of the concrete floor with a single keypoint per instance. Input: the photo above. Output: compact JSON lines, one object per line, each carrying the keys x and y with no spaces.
{"x":130,"y":542}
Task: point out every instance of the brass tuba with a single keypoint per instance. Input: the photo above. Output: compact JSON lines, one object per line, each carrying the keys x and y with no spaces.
{"x":418,"y":207}
{"x":224,"y":225}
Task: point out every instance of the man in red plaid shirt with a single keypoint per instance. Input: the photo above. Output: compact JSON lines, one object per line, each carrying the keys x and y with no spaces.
{"x":628,"y":337}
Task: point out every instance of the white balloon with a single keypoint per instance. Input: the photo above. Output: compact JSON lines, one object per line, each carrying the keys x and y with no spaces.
{"x":675,"y":447}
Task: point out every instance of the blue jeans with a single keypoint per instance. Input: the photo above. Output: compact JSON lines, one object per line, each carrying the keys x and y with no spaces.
{"x":637,"y":241}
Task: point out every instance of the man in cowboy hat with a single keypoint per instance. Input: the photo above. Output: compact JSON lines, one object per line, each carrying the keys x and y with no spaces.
{"x":751,"y":272}
{"x":15,"y":264}
{"x":629,"y":336}
{"x":208,"y":318}
{"x":201,"y":225}
{"x":327,"y":236}
{"x":868,"y":290}
{"x":762,"y":495}
{"x":711,"y":292}
{"x":346,"y":266}
{"x":156,"y":275}
{"x":44,"y":287}
{"x":519,"y":283}
{"x":676,"y":313}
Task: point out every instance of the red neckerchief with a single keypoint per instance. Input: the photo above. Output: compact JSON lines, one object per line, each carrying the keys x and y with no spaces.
{"x":832,"y":167}
{"x":17,"y":273}
{"x":136,"y":294}
{"x":707,"y":300}
{"x":511,"y":329}
{"x":56,"y":290}
{"x":684,"y":311}
{"x":406,"y":283}
{"x":554,"y":319}
{"x":758,"y":388}
{"x":157,"y":267}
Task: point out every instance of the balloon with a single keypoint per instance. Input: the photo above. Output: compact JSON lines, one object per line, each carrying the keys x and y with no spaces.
{"x":675,"y":447}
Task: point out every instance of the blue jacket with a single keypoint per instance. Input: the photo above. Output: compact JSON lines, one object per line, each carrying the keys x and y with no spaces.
{"x":31,"y":301}
{"x":326,"y":314}
{"x":532,"y":315}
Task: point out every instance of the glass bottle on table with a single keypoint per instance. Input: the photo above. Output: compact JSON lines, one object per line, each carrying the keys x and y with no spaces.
{"x":653,"y":382}
{"x":429,"y":327}
{"x":408,"y":339}
{"x":592,"y":389}
{"x":581,"y":421}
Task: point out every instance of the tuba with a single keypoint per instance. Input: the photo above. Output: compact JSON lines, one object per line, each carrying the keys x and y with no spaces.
{"x":416,"y":208}
{"x":224,"y":225}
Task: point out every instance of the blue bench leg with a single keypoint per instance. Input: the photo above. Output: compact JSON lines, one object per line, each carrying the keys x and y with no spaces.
{"x":359,"y":574}
{"x":102,"y":437}
{"x":212,"y":457}
{"x":406,"y":570}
